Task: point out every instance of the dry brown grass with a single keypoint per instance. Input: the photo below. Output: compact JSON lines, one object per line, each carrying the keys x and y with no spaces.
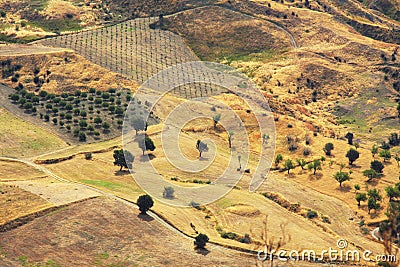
{"x":11,"y":170}
{"x":16,"y":202}
{"x":215,"y":32}
{"x":22,"y":139}
{"x":68,"y":71}
{"x":114,"y":234}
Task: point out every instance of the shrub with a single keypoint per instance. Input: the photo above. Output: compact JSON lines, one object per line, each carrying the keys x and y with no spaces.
{"x":377,"y":166}
{"x":246,"y":239}
{"x":88,"y":155}
{"x":352,"y":155}
{"x":229,"y":235}
{"x":195,"y":205}
{"x":311,"y":214}
{"x":201,"y":241}
{"x":326,"y":219}
{"x":145,"y":202}
{"x":306,"y":151}
{"x":169,"y":192}
{"x":82,"y":136}
{"x":328,"y":148}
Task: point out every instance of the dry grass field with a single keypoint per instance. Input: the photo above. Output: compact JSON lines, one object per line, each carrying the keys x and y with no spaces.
{"x":23,"y":139}
{"x":102,"y":232}
{"x":326,"y":69}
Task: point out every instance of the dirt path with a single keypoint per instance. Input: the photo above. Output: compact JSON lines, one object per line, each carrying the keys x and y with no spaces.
{"x":20,"y":50}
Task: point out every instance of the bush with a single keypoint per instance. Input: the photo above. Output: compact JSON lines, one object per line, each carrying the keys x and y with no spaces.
{"x":169,"y":192}
{"x":311,"y":214}
{"x":195,"y":205}
{"x":326,"y":219}
{"x":377,"y":166}
{"x":201,"y":240}
{"x":145,"y":202}
{"x":88,"y":155}
{"x":328,"y":148}
{"x":229,"y":235}
{"x":246,"y":239}
{"x":306,"y":151}
{"x":82,"y":136}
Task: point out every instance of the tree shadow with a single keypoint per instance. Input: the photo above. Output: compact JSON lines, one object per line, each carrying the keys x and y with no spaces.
{"x":373,"y":181}
{"x":203,"y":159}
{"x":290,"y":175}
{"x":344,"y":188}
{"x":147,"y":157}
{"x":316,"y":176}
{"x":202,"y":251}
{"x":121,"y":173}
{"x":145,"y":217}
{"x":353,"y":166}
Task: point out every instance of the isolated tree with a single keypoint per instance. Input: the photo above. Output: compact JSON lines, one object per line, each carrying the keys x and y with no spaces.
{"x":288,"y":165}
{"x":216,"y":119}
{"x":123,"y":159}
{"x":356,"y":145}
{"x":374,"y":193}
{"x":169,"y":192}
{"x":374,"y":150}
{"x":301,"y":163}
{"x":328,"y":148}
{"x":278,"y":159}
{"x":139,"y":125}
{"x":357,"y":187}
{"x":397,"y":159}
{"x":145,"y":202}
{"x":361,"y":197}
{"x":315,"y":165}
{"x":377,"y":166}
{"x":200,"y":241}
{"x":201,"y":147}
{"x":342,"y":177}
{"x":349,"y":137}
{"x":372,"y":205}
{"x":145,"y":143}
{"x":352,"y":155}
{"x":392,"y":192}
{"x":370,"y":174}
{"x":385,"y":154}
{"x":230,"y":135}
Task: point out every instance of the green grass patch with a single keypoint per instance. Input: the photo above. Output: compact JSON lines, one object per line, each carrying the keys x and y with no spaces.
{"x":262,"y":56}
{"x":13,"y":39}
{"x":57,"y":25}
{"x":104,"y":184}
{"x":38,"y":4}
